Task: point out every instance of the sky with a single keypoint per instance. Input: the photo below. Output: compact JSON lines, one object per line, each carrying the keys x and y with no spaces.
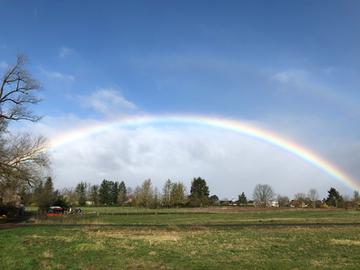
{"x":290,"y":67}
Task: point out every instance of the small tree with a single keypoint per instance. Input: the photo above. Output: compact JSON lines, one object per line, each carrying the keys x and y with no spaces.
{"x":114,"y":192}
{"x":263,"y":194}
{"x":334,"y":198}
{"x":214,"y":200}
{"x":81,"y":193}
{"x":313,"y":196}
{"x":144,"y":195}
{"x":199,"y":192}
{"x":122,"y":193}
{"x":166,"y":196}
{"x":105,"y":196}
{"x":242,"y":199}
{"x":283,"y":201}
{"x":300,"y":197}
{"x":94,"y":194}
{"x":356,"y":199}
{"x":177,"y":194}
{"x":156,"y":199}
{"x":44,"y":195}
{"x":60,"y":200}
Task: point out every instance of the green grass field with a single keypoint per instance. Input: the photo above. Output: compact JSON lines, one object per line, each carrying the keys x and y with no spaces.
{"x":210,"y":238}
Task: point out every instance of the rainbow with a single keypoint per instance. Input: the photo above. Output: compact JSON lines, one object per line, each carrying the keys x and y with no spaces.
{"x":241,"y":127}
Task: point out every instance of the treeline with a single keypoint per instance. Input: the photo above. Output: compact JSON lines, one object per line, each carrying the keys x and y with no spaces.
{"x":113,"y":193}
{"x":173,"y":194}
{"x":264,"y":196}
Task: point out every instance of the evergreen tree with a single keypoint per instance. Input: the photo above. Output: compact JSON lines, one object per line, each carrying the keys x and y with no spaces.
{"x":114,"y":191}
{"x":60,"y":200}
{"x":122,"y":193}
{"x":49,"y":187}
{"x":199,"y":192}
{"x":94,"y":194}
{"x":334,"y":198}
{"x":44,"y":195}
{"x":356,"y":196}
{"x":105,"y":193}
{"x":242,"y":199}
{"x":214,"y":200}
{"x":81,"y":193}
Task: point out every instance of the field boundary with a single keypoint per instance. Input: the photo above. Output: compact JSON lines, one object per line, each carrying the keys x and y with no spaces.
{"x":236,"y":225}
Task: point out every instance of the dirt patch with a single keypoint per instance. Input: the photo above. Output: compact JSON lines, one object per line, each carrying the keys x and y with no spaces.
{"x":145,"y":264}
{"x":47,"y":254}
{"x":159,"y":237}
{"x":61,"y":238}
{"x":147,"y":235}
{"x":98,"y":245}
{"x":66,"y":239}
{"x":345,"y":242}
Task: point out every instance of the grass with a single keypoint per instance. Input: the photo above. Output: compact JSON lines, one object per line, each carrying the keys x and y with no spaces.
{"x":206,"y":216}
{"x":196,"y":246}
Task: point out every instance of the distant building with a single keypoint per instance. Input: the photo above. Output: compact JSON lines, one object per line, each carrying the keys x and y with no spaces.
{"x":298,"y":204}
{"x":274,"y":203}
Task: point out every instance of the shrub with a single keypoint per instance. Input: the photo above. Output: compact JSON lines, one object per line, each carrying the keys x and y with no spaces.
{"x":324,"y":205}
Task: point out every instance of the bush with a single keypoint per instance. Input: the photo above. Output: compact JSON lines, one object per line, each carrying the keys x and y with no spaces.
{"x":324,"y":205}
{"x":11,"y":211}
{"x":62,"y":202}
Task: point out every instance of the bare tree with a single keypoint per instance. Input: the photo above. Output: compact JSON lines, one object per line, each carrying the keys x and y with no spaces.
{"x":300,"y":197}
{"x":144,"y":195}
{"x":17,"y":92}
{"x":313,"y":196}
{"x":166,"y":195}
{"x":263,"y":194}
{"x":178,"y":194}
{"x":21,"y":156}
{"x":283,"y":201}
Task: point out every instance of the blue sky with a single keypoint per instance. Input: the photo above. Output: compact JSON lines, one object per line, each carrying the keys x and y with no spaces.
{"x":290,"y":66}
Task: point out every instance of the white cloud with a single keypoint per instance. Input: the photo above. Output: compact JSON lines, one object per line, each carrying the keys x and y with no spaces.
{"x":56,"y":75}
{"x":308,"y":83}
{"x":296,"y":77}
{"x":108,"y":101}
{"x":65,"y":52}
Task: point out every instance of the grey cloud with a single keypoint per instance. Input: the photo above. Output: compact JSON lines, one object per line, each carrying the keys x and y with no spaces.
{"x":230,"y":162}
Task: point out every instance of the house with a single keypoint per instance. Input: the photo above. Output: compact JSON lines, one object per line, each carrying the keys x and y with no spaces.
{"x":274,"y":203}
{"x":298,"y":204}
